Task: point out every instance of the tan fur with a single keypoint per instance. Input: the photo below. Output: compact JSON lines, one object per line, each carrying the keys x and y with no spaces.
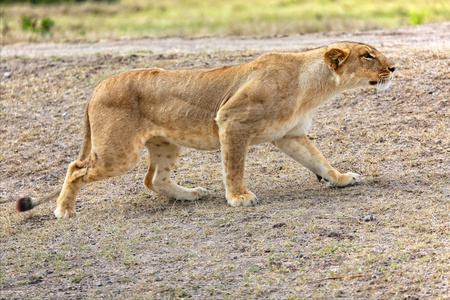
{"x":271,"y":99}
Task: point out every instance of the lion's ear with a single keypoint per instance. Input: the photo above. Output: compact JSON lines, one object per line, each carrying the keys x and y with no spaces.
{"x":335,"y":57}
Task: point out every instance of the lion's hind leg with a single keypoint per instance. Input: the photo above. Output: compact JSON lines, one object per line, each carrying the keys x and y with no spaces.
{"x":65,"y":204}
{"x":101,"y":163}
{"x":162,"y":157}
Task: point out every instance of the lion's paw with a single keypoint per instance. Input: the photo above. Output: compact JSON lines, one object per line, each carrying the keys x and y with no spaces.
{"x":190,"y":194}
{"x":61,"y":213}
{"x":247,"y":199}
{"x":348,"y":179}
{"x":200,"y":192}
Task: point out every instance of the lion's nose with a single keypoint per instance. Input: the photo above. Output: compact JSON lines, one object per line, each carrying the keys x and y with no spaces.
{"x":392,"y":69}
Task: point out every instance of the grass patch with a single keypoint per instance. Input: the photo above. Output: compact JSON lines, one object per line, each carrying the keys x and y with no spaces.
{"x":127,"y":18}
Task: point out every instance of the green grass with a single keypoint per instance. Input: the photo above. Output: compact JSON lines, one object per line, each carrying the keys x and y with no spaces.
{"x":127,"y":18}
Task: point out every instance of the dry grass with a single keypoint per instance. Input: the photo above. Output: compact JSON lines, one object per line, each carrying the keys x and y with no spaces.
{"x":305,"y":240}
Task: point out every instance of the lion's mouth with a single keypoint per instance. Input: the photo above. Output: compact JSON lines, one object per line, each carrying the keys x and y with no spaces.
{"x":382,"y":84}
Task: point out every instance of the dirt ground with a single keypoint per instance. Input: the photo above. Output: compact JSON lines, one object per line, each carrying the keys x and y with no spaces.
{"x":386,"y":238}
{"x":429,"y":35}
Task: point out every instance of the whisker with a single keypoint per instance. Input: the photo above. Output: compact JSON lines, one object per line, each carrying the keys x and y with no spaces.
{"x":384,"y":84}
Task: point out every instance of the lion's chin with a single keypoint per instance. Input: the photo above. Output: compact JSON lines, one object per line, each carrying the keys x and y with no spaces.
{"x":382,"y":84}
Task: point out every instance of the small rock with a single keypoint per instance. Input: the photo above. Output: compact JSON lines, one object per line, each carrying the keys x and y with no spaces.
{"x":279,"y":225}
{"x":411,"y":297}
{"x":38,"y":280}
{"x":339,"y":294}
{"x":333,"y":233}
{"x":368,"y":218}
{"x":7,"y":74}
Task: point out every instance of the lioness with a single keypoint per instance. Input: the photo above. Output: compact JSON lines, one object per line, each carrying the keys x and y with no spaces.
{"x":271,"y":99}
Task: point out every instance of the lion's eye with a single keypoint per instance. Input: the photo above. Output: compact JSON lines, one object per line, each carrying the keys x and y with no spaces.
{"x":368,"y":55}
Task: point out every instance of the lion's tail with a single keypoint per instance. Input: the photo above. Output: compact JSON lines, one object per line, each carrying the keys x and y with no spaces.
{"x":86,"y":145}
{"x":27,"y":203}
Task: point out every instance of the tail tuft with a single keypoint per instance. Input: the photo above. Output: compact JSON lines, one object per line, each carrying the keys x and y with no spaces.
{"x":24,"y":204}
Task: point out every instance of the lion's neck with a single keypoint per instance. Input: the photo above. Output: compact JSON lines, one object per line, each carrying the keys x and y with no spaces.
{"x":318,"y":83}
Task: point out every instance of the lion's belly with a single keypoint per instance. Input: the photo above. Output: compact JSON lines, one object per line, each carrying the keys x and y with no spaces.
{"x":276,"y":130}
{"x":191,"y":127}
{"x":205,"y":138}
{"x":200,"y":142}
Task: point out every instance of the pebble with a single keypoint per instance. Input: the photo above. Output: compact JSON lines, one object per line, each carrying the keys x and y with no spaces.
{"x":368,"y":218}
{"x":38,"y":280}
{"x":333,"y":233}
{"x":279,"y":225}
{"x":7,"y":74}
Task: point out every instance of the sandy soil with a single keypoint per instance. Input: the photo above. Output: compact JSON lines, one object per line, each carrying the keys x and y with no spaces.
{"x":387,"y":238}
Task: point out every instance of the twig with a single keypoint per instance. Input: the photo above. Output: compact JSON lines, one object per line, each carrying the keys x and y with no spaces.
{"x":342,"y":277}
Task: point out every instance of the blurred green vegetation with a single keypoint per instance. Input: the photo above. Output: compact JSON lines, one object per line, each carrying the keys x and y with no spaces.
{"x":44,"y":26}
{"x":37,"y":2}
{"x":94,"y":20}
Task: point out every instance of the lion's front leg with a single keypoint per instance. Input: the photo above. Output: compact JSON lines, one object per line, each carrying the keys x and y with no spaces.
{"x":233,"y":146}
{"x":302,"y":150}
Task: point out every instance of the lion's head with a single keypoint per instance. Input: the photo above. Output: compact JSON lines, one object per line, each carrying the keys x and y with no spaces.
{"x":360,"y":64}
